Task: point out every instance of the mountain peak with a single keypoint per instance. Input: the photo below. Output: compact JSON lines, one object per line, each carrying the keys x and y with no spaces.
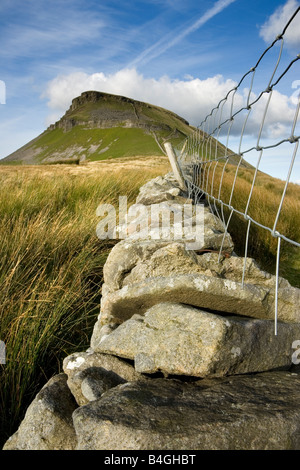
{"x":93,"y":96}
{"x":100,"y":125}
{"x":102,"y":110}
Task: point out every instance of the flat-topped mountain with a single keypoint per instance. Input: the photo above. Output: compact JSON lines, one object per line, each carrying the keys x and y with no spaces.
{"x":97,"y":109}
{"x":98,"y":126}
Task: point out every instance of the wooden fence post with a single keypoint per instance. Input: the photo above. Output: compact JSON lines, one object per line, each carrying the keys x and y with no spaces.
{"x":175,"y":166}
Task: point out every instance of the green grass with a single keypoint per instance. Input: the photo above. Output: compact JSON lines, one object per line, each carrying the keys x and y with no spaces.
{"x":51,"y":265}
{"x":112,"y":143}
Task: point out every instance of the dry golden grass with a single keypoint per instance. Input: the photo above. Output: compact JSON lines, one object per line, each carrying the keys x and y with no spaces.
{"x":263,"y":207}
{"x":51,"y":259}
{"x":51,"y":267}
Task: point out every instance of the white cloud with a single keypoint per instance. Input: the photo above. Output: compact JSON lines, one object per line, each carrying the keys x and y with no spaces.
{"x":28,"y":41}
{"x":279,"y":117}
{"x":190,"y":98}
{"x":277,"y":21}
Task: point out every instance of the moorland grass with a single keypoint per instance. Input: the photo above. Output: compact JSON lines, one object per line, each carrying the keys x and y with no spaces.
{"x":263,"y":207}
{"x":51,"y":270}
{"x":51,"y":259}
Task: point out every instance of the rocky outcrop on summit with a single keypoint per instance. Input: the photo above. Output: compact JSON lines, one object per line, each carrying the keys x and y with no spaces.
{"x":126,"y":112}
{"x":183,"y":356}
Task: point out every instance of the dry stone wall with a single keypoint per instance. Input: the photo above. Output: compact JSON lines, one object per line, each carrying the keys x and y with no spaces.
{"x":182,"y":356}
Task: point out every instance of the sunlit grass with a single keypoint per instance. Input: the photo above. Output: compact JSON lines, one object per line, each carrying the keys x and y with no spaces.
{"x":51,"y":269}
{"x":262,"y":206}
{"x":51,"y":259}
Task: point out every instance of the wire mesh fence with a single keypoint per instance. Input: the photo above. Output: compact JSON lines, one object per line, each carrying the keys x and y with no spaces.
{"x":211,"y":169}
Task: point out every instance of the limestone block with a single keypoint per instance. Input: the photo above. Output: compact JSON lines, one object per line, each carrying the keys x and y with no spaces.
{"x":256,"y":412}
{"x":182,"y":340}
{"x":207,"y":292}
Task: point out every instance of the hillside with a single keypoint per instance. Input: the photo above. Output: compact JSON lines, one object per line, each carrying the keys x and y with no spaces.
{"x":98,"y":126}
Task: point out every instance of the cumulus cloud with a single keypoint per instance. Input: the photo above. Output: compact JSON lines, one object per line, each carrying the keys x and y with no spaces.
{"x":279,"y":117}
{"x":277,"y":21}
{"x":190,"y":98}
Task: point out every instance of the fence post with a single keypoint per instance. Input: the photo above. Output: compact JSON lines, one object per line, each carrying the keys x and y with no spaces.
{"x":175,"y":166}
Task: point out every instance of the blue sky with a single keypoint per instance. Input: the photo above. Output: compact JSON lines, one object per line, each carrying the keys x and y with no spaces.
{"x":183,"y":55}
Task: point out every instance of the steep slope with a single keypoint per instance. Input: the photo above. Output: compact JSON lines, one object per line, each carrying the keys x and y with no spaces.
{"x":98,"y":126}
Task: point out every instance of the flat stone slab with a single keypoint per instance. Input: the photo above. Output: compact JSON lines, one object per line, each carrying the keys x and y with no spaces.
{"x":181,"y":340}
{"x":212,"y":293}
{"x":257,"y":412}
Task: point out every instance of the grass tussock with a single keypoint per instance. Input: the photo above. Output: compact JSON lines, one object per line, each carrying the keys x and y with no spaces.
{"x":51,"y":259}
{"x":51,"y":269}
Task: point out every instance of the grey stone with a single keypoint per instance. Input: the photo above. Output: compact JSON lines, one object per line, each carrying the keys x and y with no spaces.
{"x":231,"y":267}
{"x":130,"y":261}
{"x":168,"y":260}
{"x":158,"y":190}
{"x":172,"y":221}
{"x":180,"y":340}
{"x":123,"y":257}
{"x":47,"y":424}
{"x":90,"y":374}
{"x":168,"y":222}
{"x":94,"y":382}
{"x":175,"y":258}
{"x":256,"y":412}
{"x":100,"y":331}
{"x":128,"y":253}
{"x":206,"y":292}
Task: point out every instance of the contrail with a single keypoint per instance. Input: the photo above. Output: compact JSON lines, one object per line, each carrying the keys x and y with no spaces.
{"x":168,"y":41}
